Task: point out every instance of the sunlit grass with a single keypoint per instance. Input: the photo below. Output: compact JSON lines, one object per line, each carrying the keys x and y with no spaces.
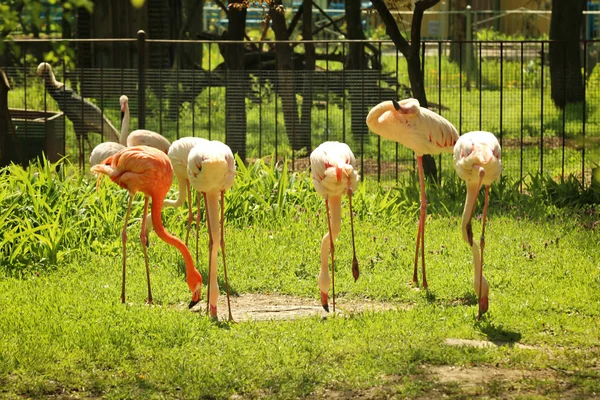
{"x":65,"y":333}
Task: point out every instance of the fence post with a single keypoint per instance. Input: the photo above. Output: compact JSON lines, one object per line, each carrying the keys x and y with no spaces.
{"x":141,"y":42}
{"x":469,"y":37}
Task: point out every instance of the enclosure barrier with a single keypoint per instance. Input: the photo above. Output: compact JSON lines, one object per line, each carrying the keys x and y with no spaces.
{"x":500,"y":86}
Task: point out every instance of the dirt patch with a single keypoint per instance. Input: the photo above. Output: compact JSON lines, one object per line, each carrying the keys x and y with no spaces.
{"x":487,"y":344}
{"x":264,"y":307}
{"x":477,"y":376}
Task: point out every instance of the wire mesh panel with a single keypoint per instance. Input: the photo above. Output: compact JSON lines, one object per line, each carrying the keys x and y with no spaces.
{"x":266,"y":110}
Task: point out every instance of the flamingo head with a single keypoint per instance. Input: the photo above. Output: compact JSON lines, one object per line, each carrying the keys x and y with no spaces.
{"x":195,"y":285}
{"x":390,"y":119}
{"x":124,"y":100}
{"x":483,"y":307}
{"x":44,"y":70}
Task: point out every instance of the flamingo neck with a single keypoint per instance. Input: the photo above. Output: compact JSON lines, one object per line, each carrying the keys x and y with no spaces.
{"x":159,"y":228}
{"x":467,"y":230}
{"x":181,"y":195}
{"x":125,"y":129}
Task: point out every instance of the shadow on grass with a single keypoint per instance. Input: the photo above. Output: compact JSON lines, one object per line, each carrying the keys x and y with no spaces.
{"x":467,"y":299}
{"x":204,"y":272}
{"x":497,"y":334}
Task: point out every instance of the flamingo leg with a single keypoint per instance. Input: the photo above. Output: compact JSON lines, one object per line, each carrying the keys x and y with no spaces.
{"x":198,"y":215}
{"x":124,"y":241}
{"x":332,"y":251}
{"x":482,"y":244}
{"x":421,"y":229}
{"x":355,"y":271}
{"x":144,"y":240}
{"x":210,"y":241}
{"x":223,"y":253}
{"x":190,"y":214}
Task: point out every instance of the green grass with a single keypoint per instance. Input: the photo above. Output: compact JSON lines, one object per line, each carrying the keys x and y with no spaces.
{"x":64,"y":332}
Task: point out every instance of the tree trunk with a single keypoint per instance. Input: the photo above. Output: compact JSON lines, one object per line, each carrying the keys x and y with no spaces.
{"x":307,"y":75}
{"x":357,"y":61}
{"x":237,"y":82}
{"x":565,"y":62}
{"x":285,"y":77}
{"x":412,"y":53}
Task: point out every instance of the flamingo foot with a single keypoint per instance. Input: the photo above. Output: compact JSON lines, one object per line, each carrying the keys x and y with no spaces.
{"x":483,"y":307}
{"x":149,"y":301}
{"x":325,"y":301}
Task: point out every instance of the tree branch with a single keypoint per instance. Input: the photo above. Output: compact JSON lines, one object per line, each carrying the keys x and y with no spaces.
{"x":391,"y":28}
{"x":417,"y":20}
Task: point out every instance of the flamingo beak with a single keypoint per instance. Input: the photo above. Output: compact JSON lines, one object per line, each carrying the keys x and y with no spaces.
{"x":483,"y":307}
{"x":325,"y":301}
{"x":396,"y":105}
{"x":195,"y":298}
{"x":338,"y":174}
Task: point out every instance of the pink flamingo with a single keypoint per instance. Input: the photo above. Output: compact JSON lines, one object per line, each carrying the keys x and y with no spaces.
{"x":422,"y":131}
{"x":477,"y":160}
{"x":211,"y":171}
{"x":334,"y":173}
{"x":148,"y":170}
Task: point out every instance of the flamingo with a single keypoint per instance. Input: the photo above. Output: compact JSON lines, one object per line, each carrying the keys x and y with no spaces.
{"x":85,"y":116}
{"x":136,"y":138}
{"x":422,"y":131}
{"x":334,"y":173}
{"x":106,"y":149}
{"x":148,"y":170}
{"x":140,"y":137}
{"x":178,"y":154}
{"x":211,"y":171}
{"x":477,"y":160}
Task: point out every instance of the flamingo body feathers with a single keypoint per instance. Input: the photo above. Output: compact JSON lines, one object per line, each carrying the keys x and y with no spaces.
{"x":418,"y":128}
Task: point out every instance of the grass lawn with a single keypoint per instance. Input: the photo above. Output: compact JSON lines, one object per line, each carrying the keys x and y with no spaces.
{"x":64,"y":332}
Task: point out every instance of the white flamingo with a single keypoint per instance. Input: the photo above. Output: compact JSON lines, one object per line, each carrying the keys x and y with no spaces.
{"x":422,"y":131}
{"x":334,"y":173}
{"x":211,"y":171}
{"x":477,"y":160}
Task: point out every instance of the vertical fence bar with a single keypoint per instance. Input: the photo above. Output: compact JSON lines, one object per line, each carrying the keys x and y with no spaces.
{"x":64,"y":77}
{"x":440,"y":103}
{"x":193,"y":72}
{"x":583,"y":116}
{"x":160,"y":99}
{"x":362,"y":134}
{"x":460,"y":96}
{"x":378,"y":137}
{"x":209,"y":90}
{"x":564,"y":110}
{"x":177,"y":102}
{"x":276,"y":125}
{"x":397,"y":90}
{"x":480,"y":88}
{"x":542,"y":112}
{"x":501,"y":88}
{"x":81,"y":162}
{"x":260,"y":101}
{"x":141,"y":41}
{"x":344,"y":95}
{"x":522,"y":115}
{"x":102,"y":100}
{"x":327,"y":90}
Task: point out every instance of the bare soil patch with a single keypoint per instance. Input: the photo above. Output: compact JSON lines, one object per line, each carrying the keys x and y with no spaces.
{"x":264,"y":307}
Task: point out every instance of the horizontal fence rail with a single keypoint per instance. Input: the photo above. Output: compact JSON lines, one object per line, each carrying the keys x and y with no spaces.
{"x":499,"y":86}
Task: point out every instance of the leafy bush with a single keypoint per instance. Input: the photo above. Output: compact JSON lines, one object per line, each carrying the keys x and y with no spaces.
{"x":49,"y":212}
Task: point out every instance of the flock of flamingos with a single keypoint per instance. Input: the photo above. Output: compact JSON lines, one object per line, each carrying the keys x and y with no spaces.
{"x":144,"y":161}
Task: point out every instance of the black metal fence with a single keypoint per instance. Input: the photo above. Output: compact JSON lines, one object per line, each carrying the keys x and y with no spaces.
{"x":501,"y":87}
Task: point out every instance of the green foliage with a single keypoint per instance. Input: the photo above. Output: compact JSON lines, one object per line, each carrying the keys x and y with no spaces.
{"x":64,"y":331}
